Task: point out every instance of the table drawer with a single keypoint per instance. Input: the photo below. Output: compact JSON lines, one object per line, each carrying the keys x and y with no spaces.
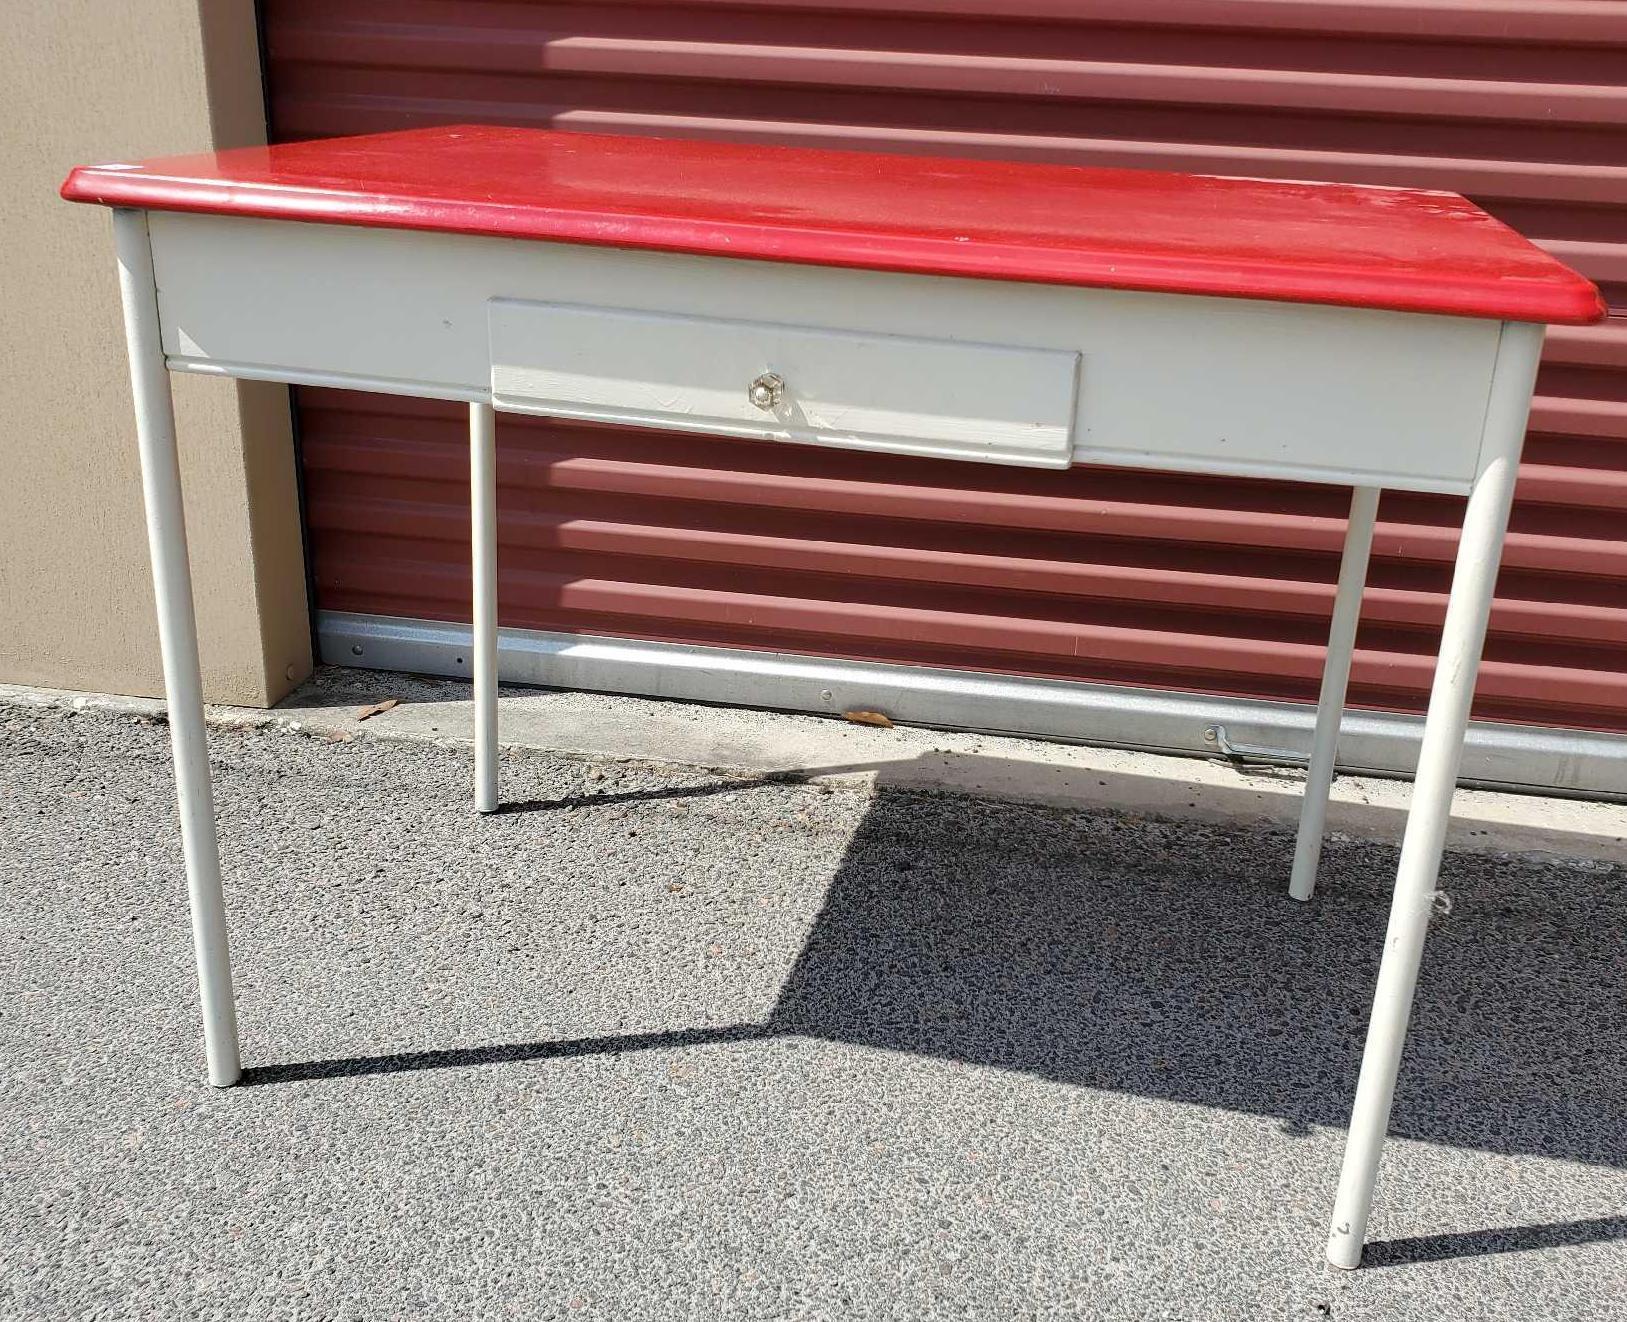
{"x":945,"y":398}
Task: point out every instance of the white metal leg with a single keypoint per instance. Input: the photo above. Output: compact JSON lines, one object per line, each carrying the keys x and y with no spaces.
{"x":1330,"y":706}
{"x":1468,"y":609}
{"x":178,"y":641}
{"x":483,"y":526}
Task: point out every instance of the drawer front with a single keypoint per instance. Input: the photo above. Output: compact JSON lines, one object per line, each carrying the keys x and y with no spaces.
{"x":948,"y":399}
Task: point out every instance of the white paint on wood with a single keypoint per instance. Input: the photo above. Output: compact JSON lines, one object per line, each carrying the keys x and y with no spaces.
{"x":1203,"y":385}
{"x":873,"y":392}
{"x":178,"y":645}
{"x":1330,"y":706}
{"x":483,"y":560}
{"x":1468,"y":609}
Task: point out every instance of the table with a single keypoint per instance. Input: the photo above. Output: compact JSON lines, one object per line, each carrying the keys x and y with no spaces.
{"x":982,"y":311}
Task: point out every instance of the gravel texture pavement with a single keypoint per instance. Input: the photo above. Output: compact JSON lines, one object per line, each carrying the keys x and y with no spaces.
{"x":660,"y":1044}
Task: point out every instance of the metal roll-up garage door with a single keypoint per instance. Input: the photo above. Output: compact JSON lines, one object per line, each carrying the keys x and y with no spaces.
{"x":1204,"y":585}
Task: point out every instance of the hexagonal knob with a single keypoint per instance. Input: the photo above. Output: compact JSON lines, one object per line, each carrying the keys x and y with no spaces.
{"x":765,"y":392}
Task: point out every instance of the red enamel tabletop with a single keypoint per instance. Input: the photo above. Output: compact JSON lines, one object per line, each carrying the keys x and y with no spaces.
{"x":1404,"y":249}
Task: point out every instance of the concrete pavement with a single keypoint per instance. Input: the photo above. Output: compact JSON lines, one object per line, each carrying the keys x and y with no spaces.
{"x":666,"y":1043}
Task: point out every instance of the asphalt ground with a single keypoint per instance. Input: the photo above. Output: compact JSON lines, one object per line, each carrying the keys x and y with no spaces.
{"x":667,"y":1044}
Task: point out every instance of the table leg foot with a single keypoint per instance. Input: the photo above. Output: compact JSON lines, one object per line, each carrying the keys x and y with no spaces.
{"x":1344,"y":1250}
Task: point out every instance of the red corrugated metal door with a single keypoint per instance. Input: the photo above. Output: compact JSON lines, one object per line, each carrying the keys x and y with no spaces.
{"x":1220,"y":586}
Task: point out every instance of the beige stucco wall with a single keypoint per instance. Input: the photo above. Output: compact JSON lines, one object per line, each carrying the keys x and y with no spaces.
{"x":92,"y":80}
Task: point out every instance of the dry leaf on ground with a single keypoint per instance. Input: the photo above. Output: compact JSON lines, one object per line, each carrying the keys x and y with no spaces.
{"x":868,"y":718}
{"x":377,"y":708}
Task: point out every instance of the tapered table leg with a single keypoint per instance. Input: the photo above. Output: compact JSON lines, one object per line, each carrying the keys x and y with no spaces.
{"x":483,"y":533}
{"x":1468,"y":609}
{"x":178,"y":641}
{"x":1330,"y":706}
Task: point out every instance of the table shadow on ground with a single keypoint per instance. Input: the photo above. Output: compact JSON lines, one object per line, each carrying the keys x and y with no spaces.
{"x":1164,"y":960}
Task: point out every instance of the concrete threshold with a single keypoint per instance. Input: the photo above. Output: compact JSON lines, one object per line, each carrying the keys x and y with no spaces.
{"x":750,"y":743}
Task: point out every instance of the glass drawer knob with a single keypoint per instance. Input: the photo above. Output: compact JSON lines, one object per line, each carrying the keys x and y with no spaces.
{"x":766,"y":390}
